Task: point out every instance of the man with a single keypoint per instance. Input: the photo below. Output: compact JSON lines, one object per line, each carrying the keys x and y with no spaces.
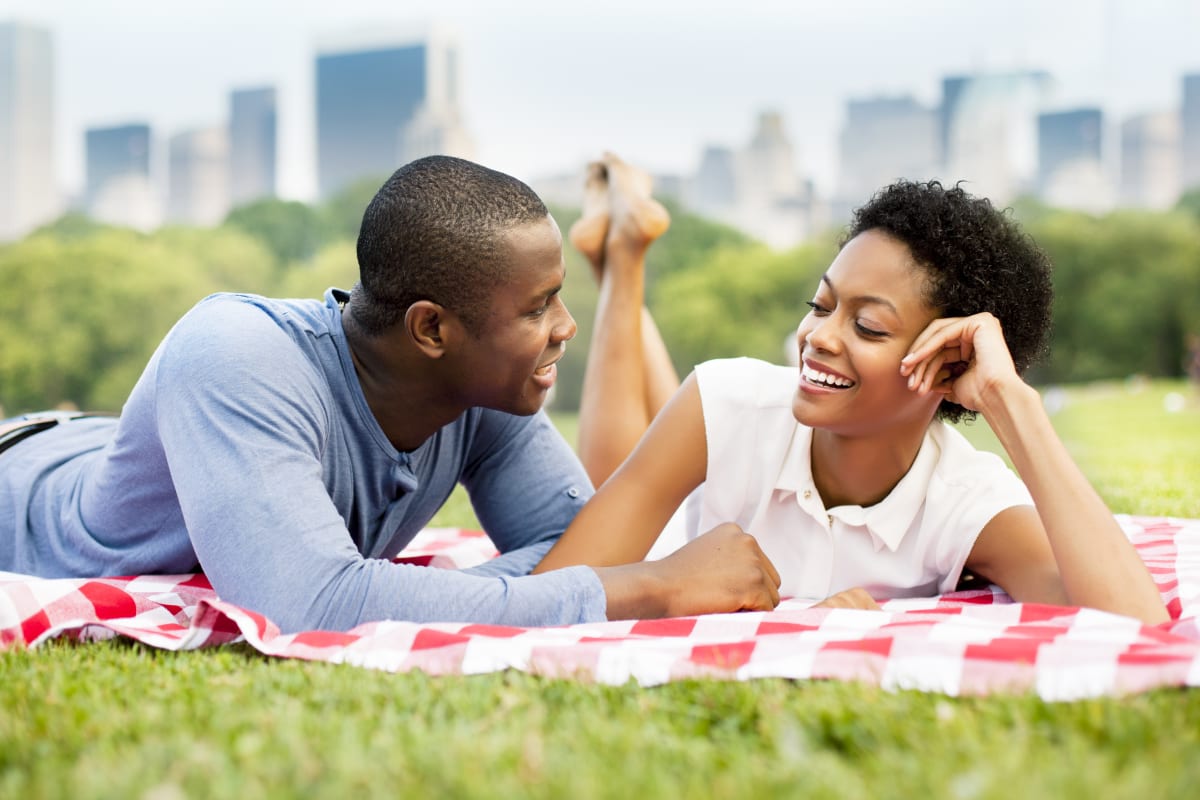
{"x":289,"y":448}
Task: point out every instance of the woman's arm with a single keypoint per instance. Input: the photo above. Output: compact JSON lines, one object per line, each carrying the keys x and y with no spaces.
{"x":722,"y":571}
{"x":621,"y":522}
{"x":1071,"y":550}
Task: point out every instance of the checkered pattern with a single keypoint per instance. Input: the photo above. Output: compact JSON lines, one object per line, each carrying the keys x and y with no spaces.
{"x":967,"y":643}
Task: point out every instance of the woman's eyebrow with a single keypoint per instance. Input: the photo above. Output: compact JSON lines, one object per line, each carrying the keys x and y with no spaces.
{"x":862,"y":298}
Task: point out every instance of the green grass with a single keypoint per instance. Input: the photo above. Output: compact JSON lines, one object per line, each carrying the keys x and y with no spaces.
{"x":116,"y":719}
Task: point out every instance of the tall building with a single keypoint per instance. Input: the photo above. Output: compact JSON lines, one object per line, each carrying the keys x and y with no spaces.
{"x":713,"y":189}
{"x":119,"y":190}
{"x":252,"y":137}
{"x":28,"y":190}
{"x":989,"y":131}
{"x":1189,"y":117}
{"x":885,"y":138}
{"x":368,"y":97}
{"x":757,"y":187}
{"x":198,"y":177}
{"x":766,"y":166}
{"x":1071,"y":171}
{"x":1065,"y":137}
{"x":1150,"y":160}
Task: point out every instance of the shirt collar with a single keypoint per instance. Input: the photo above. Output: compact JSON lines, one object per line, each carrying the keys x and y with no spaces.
{"x":888,"y":520}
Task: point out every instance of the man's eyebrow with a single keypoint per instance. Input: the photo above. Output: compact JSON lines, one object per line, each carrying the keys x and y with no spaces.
{"x":862,"y":298}
{"x":548,"y":293}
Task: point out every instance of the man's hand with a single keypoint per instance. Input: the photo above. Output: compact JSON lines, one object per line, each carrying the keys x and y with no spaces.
{"x":850,"y":598}
{"x":723,"y":570}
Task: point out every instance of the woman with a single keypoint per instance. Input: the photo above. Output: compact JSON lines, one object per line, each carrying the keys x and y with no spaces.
{"x":845,"y":470}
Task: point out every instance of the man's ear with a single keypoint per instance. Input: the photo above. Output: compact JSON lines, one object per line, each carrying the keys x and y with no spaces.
{"x":431,"y":327}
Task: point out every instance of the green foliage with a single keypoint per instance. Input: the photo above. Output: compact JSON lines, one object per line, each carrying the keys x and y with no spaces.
{"x":738,"y":301}
{"x":342,"y":214}
{"x":80,"y":316}
{"x":1189,"y":203}
{"x":292,"y":231}
{"x":1126,"y":287}
{"x":688,"y":242}
{"x":334,"y":265}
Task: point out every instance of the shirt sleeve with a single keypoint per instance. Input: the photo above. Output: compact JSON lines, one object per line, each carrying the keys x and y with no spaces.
{"x":977,"y":488}
{"x":526,"y":485}
{"x":745,"y":445}
{"x":243,"y":418}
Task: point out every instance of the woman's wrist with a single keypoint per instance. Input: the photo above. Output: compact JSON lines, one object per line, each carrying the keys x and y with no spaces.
{"x":1008,"y":400}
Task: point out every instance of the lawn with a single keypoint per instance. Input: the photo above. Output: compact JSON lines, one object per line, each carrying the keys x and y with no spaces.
{"x":120,"y":720}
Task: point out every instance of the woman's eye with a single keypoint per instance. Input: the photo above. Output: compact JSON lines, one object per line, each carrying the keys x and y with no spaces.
{"x":864,"y":330}
{"x":816,"y":307}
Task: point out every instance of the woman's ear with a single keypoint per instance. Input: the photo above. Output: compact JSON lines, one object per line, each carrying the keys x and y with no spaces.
{"x":427,"y":324}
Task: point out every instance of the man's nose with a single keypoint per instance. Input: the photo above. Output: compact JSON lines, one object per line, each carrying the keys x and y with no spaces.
{"x":564,"y":328}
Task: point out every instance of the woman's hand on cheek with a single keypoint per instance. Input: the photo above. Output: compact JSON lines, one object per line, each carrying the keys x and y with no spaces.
{"x":963,"y":358}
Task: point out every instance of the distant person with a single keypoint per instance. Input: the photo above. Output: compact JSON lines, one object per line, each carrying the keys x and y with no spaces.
{"x":844,"y":468}
{"x":290,"y":448}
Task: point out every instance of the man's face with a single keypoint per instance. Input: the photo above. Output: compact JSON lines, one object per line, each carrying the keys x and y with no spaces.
{"x":510,"y":362}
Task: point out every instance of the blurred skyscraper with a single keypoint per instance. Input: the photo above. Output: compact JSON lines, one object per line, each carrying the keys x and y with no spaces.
{"x":28,"y":190}
{"x":1071,"y":171}
{"x":713,"y":189}
{"x":1150,"y":160}
{"x":885,"y":138}
{"x":380,"y":104}
{"x":252,"y":137}
{"x":1189,"y":117}
{"x":757,"y":188}
{"x":766,"y":166}
{"x":119,"y":190}
{"x":198,"y":176}
{"x":989,"y":131}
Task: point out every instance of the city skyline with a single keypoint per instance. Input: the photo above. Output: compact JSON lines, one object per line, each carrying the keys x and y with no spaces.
{"x":545,"y":86}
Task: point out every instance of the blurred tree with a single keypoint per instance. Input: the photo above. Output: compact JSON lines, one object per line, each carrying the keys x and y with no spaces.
{"x":290,"y":230}
{"x":229,"y":258}
{"x":86,"y":304}
{"x":342,"y":213}
{"x":687,"y":244}
{"x":1125,"y":293}
{"x":739,"y":301}
{"x":690,"y":239}
{"x":72,"y":225}
{"x":1189,"y":203}
{"x":334,"y":265}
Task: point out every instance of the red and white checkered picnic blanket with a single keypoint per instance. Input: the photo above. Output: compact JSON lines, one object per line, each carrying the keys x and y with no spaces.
{"x":975,"y":642}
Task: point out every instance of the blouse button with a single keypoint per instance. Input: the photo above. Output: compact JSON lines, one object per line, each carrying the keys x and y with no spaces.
{"x":572,"y":493}
{"x":808,"y":494}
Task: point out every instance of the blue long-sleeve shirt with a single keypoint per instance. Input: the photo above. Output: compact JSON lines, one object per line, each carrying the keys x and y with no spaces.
{"x":247,"y":449}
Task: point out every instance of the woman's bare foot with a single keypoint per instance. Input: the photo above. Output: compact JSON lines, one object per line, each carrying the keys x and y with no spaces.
{"x":637,"y":219}
{"x":591,"y":229}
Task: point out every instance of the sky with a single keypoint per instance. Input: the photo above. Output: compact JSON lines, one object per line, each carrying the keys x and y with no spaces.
{"x":549,"y":84}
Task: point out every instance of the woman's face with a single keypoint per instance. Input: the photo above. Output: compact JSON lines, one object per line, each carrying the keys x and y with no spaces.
{"x":867,"y":310}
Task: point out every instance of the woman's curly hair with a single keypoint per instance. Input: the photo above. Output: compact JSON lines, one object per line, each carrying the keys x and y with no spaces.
{"x":975,"y":259}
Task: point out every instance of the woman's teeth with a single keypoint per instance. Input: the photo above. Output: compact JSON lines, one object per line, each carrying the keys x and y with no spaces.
{"x":814,"y":376}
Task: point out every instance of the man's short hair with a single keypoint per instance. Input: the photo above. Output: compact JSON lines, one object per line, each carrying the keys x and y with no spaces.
{"x":435,"y":231}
